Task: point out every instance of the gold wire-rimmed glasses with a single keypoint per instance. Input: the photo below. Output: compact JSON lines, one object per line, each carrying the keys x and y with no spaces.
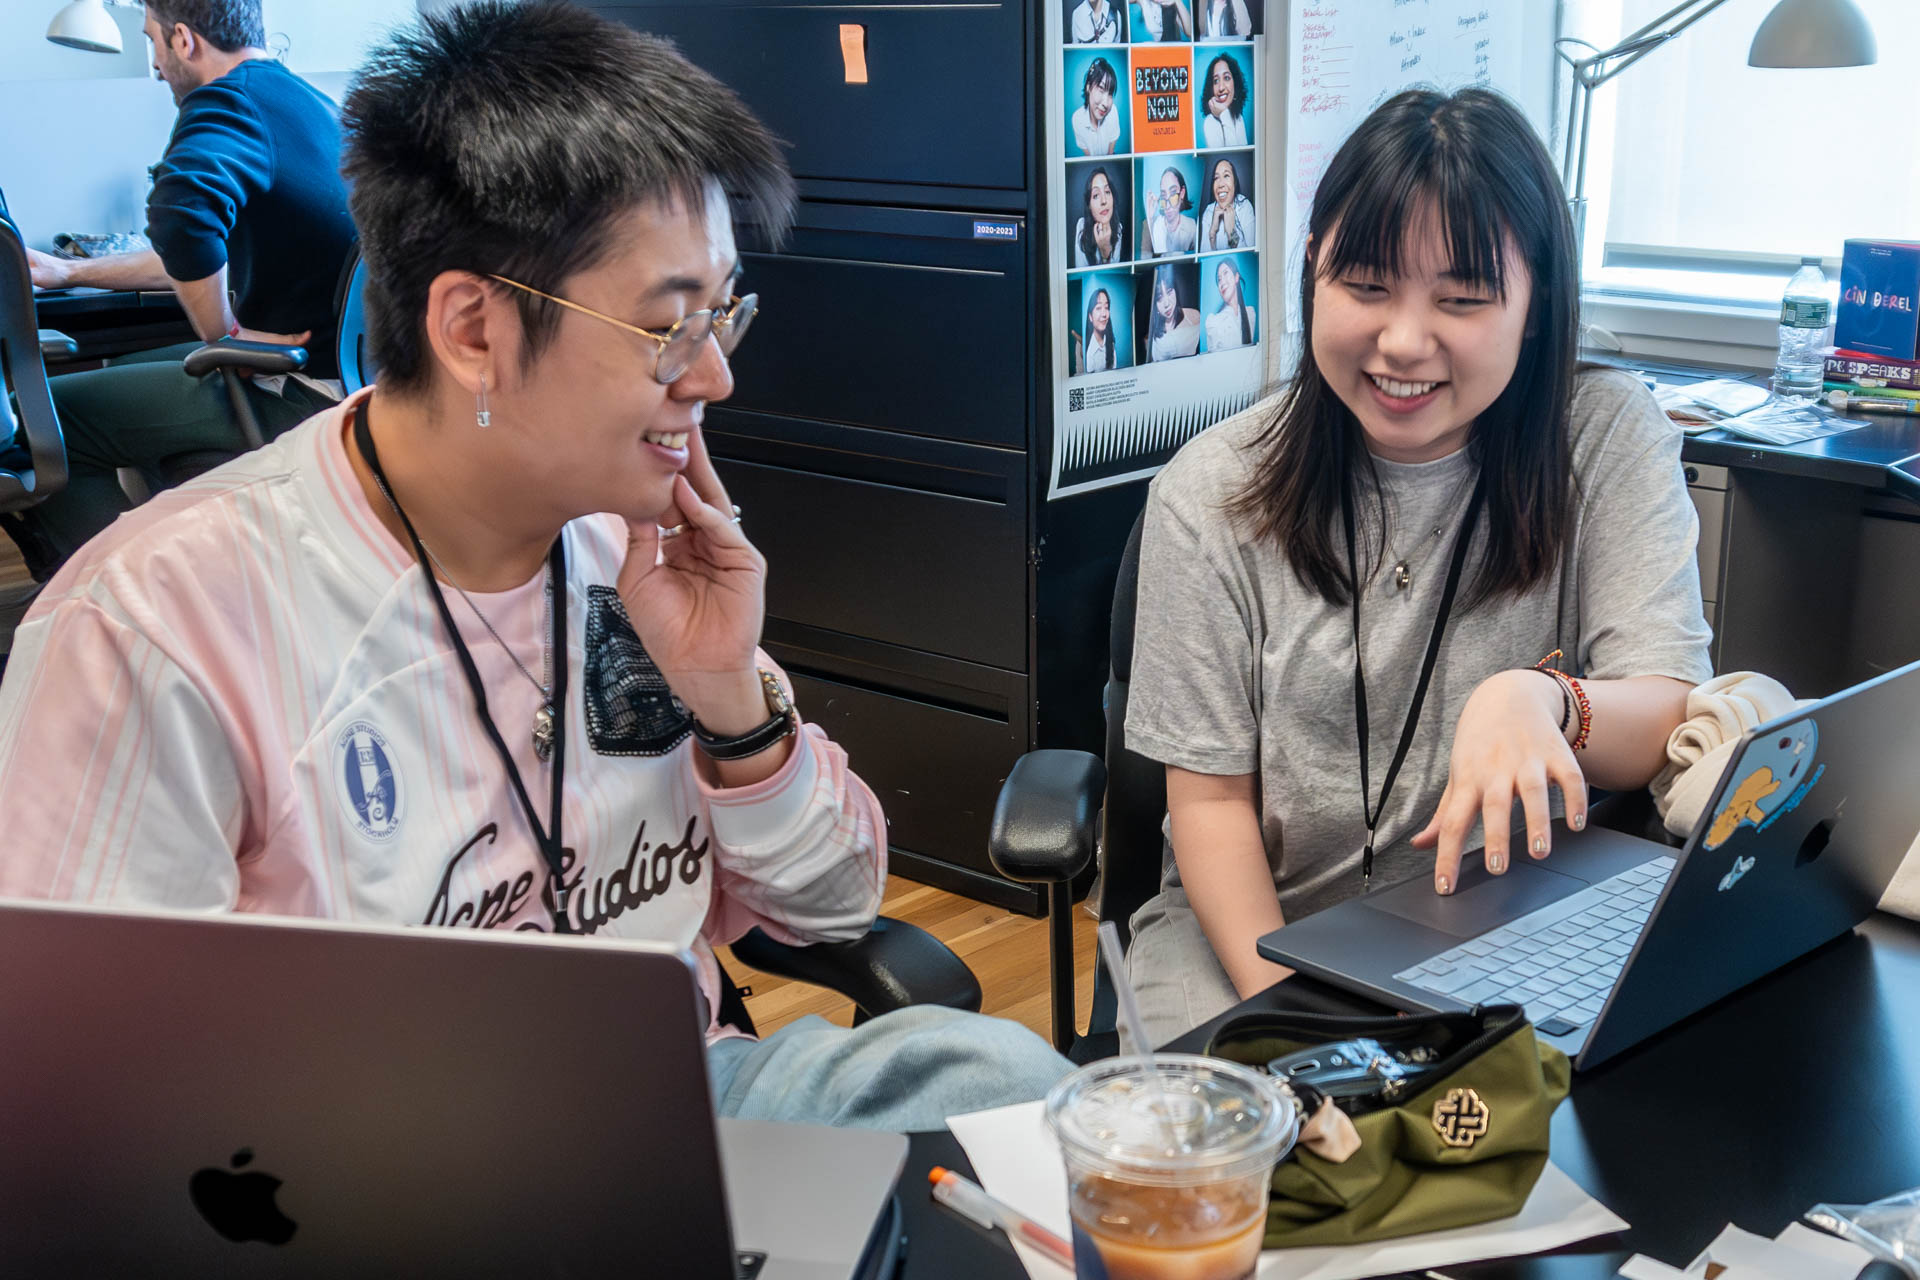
{"x":679,"y":346}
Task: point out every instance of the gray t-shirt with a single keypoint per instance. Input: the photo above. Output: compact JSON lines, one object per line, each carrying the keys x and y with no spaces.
{"x":1240,"y":668}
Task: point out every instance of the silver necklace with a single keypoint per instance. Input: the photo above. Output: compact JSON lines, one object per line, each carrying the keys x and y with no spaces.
{"x":1403,"y":565}
{"x":543,"y":718}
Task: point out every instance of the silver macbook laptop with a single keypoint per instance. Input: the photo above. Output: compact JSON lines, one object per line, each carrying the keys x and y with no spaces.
{"x":1614,"y":938}
{"x":235,"y":1096}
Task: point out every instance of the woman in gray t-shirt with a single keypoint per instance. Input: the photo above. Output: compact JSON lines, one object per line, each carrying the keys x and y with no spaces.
{"x":1437,"y":390}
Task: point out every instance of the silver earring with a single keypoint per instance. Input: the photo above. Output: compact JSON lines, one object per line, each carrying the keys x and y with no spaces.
{"x":482,"y":415}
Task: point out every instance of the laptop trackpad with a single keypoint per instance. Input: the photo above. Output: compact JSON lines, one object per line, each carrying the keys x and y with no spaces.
{"x":1482,"y":903}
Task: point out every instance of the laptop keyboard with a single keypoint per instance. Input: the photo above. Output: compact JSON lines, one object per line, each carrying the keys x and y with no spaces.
{"x":1558,"y":962}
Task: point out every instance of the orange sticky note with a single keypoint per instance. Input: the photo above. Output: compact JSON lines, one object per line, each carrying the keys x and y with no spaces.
{"x":853,"y":51}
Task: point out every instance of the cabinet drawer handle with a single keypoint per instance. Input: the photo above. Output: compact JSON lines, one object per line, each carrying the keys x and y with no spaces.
{"x":1692,"y":474}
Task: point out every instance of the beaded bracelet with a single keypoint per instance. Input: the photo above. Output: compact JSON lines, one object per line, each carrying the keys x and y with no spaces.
{"x":1570,"y":686}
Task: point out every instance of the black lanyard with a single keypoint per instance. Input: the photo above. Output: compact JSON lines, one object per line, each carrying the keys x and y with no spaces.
{"x":549,"y":840}
{"x":1373,"y":813}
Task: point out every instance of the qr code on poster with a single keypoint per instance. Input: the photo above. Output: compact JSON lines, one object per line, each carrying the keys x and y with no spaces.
{"x":1076,"y":399}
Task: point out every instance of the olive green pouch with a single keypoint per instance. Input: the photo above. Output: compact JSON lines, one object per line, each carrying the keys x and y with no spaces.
{"x":1456,"y":1136}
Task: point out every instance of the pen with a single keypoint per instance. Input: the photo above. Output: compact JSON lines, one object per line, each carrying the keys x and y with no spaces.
{"x":967,"y":1199}
{"x":1872,"y":404}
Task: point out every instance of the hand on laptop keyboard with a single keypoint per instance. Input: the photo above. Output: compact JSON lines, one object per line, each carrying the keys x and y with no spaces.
{"x":1509,"y":743}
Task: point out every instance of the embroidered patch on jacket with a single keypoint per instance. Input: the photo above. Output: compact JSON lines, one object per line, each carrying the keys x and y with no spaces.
{"x":369,"y":784}
{"x":630,"y":710}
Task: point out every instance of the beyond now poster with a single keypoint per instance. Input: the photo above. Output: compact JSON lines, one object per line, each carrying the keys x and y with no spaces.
{"x":1156,"y":244}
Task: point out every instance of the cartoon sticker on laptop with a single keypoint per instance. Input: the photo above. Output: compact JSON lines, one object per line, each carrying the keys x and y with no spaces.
{"x":1779,"y":772}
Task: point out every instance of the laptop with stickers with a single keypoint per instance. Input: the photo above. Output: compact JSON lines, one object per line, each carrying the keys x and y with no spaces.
{"x":1614,"y":938}
{"x":237,"y":1096}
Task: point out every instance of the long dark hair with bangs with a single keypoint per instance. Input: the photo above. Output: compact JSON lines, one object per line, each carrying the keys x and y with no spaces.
{"x":1471,"y":160}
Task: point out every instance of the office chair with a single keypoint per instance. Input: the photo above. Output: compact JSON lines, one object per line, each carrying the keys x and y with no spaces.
{"x":349,"y":339}
{"x":33,"y":453}
{"x":1058,"y":810}
{"x":1052,"y":819}
{"x":891,"y":966}
{"x":357,"y":368}
{"x":228,"y":357}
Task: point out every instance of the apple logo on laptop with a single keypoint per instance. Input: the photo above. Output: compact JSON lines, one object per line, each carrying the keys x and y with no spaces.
{"x":1816,"y":842}
{"x":240,"y":1206}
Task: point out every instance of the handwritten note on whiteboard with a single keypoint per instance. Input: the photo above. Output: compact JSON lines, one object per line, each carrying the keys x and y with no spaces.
{"x":1349,"y":55}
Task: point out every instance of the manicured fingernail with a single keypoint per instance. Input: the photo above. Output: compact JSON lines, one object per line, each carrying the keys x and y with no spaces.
{"x":1496,"y":863}
{"x":1444,"y":885}
{"x":1539,"y":846}
{"x":1579,"y":822}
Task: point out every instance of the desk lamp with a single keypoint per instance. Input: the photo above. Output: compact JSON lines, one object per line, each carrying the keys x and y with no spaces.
{"x":85,"y":24}
{"x":1796,"y":33}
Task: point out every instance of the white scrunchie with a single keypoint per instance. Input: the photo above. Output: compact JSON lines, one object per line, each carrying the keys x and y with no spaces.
{"x":1718,"y":712}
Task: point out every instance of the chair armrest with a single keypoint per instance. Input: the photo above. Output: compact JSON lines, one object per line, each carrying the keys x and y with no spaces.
{"x":895,"y":964}
{"x":266,"y":358}
{"x":1047,"y":820}
{"x":57,"y":347}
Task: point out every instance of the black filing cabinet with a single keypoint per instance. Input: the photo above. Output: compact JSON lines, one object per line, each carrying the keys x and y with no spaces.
{"x":888,"y":438}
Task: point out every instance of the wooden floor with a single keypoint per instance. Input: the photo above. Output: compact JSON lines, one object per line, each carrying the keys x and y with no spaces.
{"x":1007,"y":952}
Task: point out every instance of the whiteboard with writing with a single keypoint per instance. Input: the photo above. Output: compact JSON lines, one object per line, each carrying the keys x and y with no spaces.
{"x":1346,"y":56}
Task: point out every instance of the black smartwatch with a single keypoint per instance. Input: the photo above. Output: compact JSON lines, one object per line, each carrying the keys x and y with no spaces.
{"x":778,"y":725}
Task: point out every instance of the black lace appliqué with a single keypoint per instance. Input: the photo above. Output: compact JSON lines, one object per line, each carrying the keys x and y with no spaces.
{"x":630,"y":710}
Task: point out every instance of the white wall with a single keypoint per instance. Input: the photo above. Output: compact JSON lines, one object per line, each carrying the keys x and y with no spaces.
{"x":26,"y":53}
{"x":82,"y":128}
{"x":84,"y":166}
{"x":331,"y":36}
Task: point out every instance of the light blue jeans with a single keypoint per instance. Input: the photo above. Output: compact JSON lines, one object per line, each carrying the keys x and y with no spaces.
{"x":904,"y":1071}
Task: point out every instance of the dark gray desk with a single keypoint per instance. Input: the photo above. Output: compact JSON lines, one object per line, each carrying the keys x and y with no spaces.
{"x":1803,"y":1088}
{"x":1872,"y":457}
{"x":81,"y":301}
{"x":113,"y":322}
{"x":1805,"y":550}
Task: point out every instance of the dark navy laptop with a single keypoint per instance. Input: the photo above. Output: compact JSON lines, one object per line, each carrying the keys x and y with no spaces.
{"x":1614,"y":938}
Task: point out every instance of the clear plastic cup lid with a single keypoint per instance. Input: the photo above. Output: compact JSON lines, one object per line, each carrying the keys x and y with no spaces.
{"x":1225,"y":1120}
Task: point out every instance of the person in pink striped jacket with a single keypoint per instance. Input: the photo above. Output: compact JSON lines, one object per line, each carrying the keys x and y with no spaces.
{"x":479,"y":647}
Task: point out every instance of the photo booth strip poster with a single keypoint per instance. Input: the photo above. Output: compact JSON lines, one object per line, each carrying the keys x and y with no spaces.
{"x":1158,"y":298}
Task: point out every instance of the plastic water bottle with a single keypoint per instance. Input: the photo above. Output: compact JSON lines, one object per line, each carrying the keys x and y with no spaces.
{"x":1806,"y":315}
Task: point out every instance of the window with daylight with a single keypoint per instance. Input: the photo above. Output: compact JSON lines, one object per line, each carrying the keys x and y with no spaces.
{"x":1709,"y":179}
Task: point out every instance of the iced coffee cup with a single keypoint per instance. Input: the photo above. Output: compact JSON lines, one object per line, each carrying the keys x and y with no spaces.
{"x":1173,"y":1194}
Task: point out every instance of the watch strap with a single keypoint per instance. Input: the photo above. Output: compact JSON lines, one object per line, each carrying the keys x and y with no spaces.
{"x":778,"y":725}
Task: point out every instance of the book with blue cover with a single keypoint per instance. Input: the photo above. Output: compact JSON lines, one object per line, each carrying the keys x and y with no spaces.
{"x":1880,"y":299}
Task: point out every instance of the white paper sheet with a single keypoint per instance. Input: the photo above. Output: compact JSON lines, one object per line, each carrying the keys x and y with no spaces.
{"x":1838,"y":1259}
{"x":1797,"y":1253}
{"x":1019,"y":1162}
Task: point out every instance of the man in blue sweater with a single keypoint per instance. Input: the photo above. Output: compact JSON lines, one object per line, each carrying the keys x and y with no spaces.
{"x":247,"y":199}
